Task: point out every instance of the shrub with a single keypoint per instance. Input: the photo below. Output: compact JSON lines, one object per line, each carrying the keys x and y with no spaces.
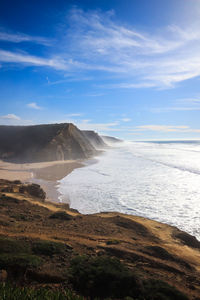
{"x":103,"y":277}
{"x":107,"y":277}
{"x":9,"y":245}
{"x":8,"y":292}
{"x":159,"y":290}
{"x":61,"y":215}
{"x":48,"y":248}
{"x":20,"y":217}
{"x":19,"y":260}
{"x":112,"y":242}
{"x":16,"y":256}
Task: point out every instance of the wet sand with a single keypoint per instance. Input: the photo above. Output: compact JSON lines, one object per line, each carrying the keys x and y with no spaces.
{"x":45,"y":174}
{"x":48,"y":177}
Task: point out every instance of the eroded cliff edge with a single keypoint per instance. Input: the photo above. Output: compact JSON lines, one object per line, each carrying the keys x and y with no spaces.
{"x":49,"y":142}
{"x":152,"y":250}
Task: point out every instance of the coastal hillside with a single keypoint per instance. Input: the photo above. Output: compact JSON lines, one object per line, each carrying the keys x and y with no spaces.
{"x":94,"y":139}
{"x":44,"y":143}
{"x":110,"y":139}
{"x":101,"y":255}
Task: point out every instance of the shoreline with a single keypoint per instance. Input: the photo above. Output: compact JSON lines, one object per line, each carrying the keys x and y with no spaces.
{"x":153,"y":248}
{"x":46,"y":174}
{"x":48,"y":177}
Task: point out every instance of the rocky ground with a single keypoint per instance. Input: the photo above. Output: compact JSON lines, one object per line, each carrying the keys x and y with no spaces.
{"x":45,"y":237}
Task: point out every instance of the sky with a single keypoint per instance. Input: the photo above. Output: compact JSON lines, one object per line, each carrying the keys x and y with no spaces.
{"x":125,"y":68}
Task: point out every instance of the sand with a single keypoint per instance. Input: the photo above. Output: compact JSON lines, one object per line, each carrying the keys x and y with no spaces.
{"x":45,"y":174}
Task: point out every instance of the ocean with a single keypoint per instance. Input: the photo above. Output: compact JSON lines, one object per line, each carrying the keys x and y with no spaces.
{"x":156,"y":180}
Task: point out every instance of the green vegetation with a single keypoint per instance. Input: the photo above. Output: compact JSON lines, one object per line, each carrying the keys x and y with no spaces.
{"x":16,"y":256}
{"x":104,"y":277}
{"x":24,"y":254}
{"x":61,"y":215}
{"x":20,"y":217}
{"x":20,"y":260}
{"x":112,"y":242}
{"x":8,"y":292}
{"x":159,"y":290}
{"x":9,"y":245}
{"x":40,"y":247}
{"x":48,"y":248}
{"x":8,"y":198}
{"x":91,"y":277}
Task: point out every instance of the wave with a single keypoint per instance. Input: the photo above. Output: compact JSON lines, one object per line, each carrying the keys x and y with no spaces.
{"x":154,"y":180}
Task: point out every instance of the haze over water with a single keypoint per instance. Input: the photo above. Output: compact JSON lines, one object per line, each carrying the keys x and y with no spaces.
{"x":157,"y":180}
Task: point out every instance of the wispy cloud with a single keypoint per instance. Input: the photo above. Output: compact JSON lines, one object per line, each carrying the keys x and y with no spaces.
{"x":94,"y":95}
{"x":149,"y":60}
{"x":126,"y":119}
{"x":70,"y":78}
{"x":20,"y":37}
{"x":72,"y":115}
{"x":87,"y":124}
{"x":24,"y":58}
{"x":165,"y":128}
{"x":185,"y":104}
{"x":10,"y":117}
{"x":34,"y":105}
{"x":99,"y":127}
{"x":98,"y":42}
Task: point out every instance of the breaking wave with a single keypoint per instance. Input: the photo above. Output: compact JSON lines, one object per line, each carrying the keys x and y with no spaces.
{"x":157,"y":180}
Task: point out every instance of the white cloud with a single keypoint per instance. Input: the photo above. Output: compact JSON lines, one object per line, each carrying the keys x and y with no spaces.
{"x":20,"y":37}
{"x":34,"y":105}
{"x":10,"y":117}
{"x":185,"y":104}
{"x":145,"y":60}
{"x":126,"y":119}
{"x":96,"y":41}
{"x":74,"y":115}
{"x":89,"y":125}
{"x":123,"y":85}
{"x":175,"y":108}
{"x":165,"y":128}
{"x":30,"y":60}
{"x":99,"y":127}
{"x":70,"y":78}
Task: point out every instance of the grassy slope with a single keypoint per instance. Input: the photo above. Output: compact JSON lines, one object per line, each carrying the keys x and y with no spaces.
{"x":50,"y":240}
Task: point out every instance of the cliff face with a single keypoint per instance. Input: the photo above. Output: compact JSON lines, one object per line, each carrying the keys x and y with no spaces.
{"x":44,"y":143}
{"x":94,"y":139}
{"x":110,"y":139}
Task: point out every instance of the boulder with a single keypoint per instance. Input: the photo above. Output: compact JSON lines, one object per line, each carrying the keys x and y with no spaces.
{"x":34,"y":190}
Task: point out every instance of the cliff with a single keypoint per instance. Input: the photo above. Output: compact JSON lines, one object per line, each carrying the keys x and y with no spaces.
{"x":94,"y":139}
{"x":111,"y":139}
{"x":44,"y":143}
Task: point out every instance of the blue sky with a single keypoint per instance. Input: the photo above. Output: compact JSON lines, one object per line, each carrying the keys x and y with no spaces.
{"x":126,"y":68}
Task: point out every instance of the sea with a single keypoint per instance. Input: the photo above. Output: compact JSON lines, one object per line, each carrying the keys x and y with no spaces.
{"x":158,"y":180}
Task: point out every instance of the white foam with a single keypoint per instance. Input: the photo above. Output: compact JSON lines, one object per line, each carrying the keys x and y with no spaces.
{"x":160,"y":181}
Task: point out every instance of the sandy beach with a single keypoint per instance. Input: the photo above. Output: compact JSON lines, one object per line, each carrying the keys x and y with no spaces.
{"x":45,"y":174}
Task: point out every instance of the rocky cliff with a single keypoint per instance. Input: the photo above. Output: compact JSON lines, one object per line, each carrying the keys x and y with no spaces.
{"x":110,"y":139}
{"x":44,"y":143}
{"x":94,"y":139}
